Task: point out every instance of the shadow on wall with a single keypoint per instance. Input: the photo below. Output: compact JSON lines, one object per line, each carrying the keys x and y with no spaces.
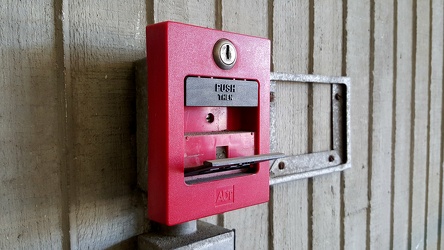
{"x":101,"y":153}
{"x":126,"y":244}
{"x":108,"y":206}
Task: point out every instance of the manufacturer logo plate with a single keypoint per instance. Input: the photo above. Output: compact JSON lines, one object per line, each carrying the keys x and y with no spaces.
{"x":224,"y":195}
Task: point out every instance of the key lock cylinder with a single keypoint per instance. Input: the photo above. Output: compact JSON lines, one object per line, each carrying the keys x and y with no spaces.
{"x":224,"y":54}
{"x":209,"y":122}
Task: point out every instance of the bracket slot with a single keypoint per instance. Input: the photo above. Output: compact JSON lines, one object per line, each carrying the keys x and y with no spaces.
{"x":296,"y":167}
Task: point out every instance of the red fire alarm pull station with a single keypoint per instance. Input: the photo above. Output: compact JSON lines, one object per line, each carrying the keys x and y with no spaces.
{"x":208,"y":112}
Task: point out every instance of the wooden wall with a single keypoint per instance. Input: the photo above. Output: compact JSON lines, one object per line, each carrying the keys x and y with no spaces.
{"x":68,"y":121}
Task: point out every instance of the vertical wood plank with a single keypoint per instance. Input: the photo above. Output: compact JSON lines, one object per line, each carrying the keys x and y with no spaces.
{"x":380,"y":119}
{"x":441,"y":184}
{"x":420,"y":123}
{"x":288,"y":201}
{"x":355,"y":180}
{"x":105,"y":38}
{"x":192,"y":12}
{"x":435,"y":120}
{"x":31,"y":135}
{"x":201,"y":13}
{"x":440,"y":7}
{"x":247,"y":17}
{"x":402,"y":125}
{"x":327,"y":60}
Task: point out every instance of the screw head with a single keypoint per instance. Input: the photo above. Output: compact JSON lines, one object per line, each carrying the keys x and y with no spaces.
{"x":224,"y":54}
{"x":338,"y":96}
{"x":209,"y":118}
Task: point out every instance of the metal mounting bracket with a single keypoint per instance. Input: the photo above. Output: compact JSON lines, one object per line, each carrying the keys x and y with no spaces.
{"x":317,"y":163}
{"x":296,"y":166}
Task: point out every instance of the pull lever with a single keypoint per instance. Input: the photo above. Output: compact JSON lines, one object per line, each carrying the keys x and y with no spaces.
{"x":225,"y":164}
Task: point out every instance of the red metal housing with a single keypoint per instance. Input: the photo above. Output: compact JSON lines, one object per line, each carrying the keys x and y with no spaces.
{"x":180,"y":136}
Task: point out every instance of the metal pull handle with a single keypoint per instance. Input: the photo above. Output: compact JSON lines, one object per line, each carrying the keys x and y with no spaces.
{"x":225,"y":164}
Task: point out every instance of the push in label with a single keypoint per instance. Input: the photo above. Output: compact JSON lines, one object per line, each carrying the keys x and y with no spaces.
{"x":224,"y":195}
{"x":212,"y":92}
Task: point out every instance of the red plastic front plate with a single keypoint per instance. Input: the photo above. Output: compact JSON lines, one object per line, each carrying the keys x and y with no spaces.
{"x":174,"y":52}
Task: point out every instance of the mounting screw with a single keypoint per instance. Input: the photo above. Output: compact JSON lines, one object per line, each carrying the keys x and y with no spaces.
{"x":224,"y":54}
{"x":281,"y":165}
{"x":209,"y":118}
{"x":331,"y":158}
{"x":338,"y":96}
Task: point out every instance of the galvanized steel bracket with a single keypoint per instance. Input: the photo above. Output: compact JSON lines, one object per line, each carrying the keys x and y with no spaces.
{"x":317,"y":163}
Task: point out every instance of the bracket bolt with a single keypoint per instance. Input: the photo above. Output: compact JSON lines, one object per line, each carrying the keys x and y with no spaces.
{"x":338,"y":96}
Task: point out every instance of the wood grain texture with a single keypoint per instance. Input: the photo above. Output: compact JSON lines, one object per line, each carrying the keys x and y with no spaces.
{"x":31,"y":144}
{"x":251,"y":18}
{"x":327,"y":60}
{"x":402,"y":125}
{"x":380,"y":118}
{"x":197,"y":12}
{"x":246,"y":17}
{"x":420,"y":120}
{"x":288,"y":202}
{"x":355,"y":180}
{"x":435,"y":123}
{"x":68,"y":139}
{"x":105,"y":38}
{"x":441,"y":209}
